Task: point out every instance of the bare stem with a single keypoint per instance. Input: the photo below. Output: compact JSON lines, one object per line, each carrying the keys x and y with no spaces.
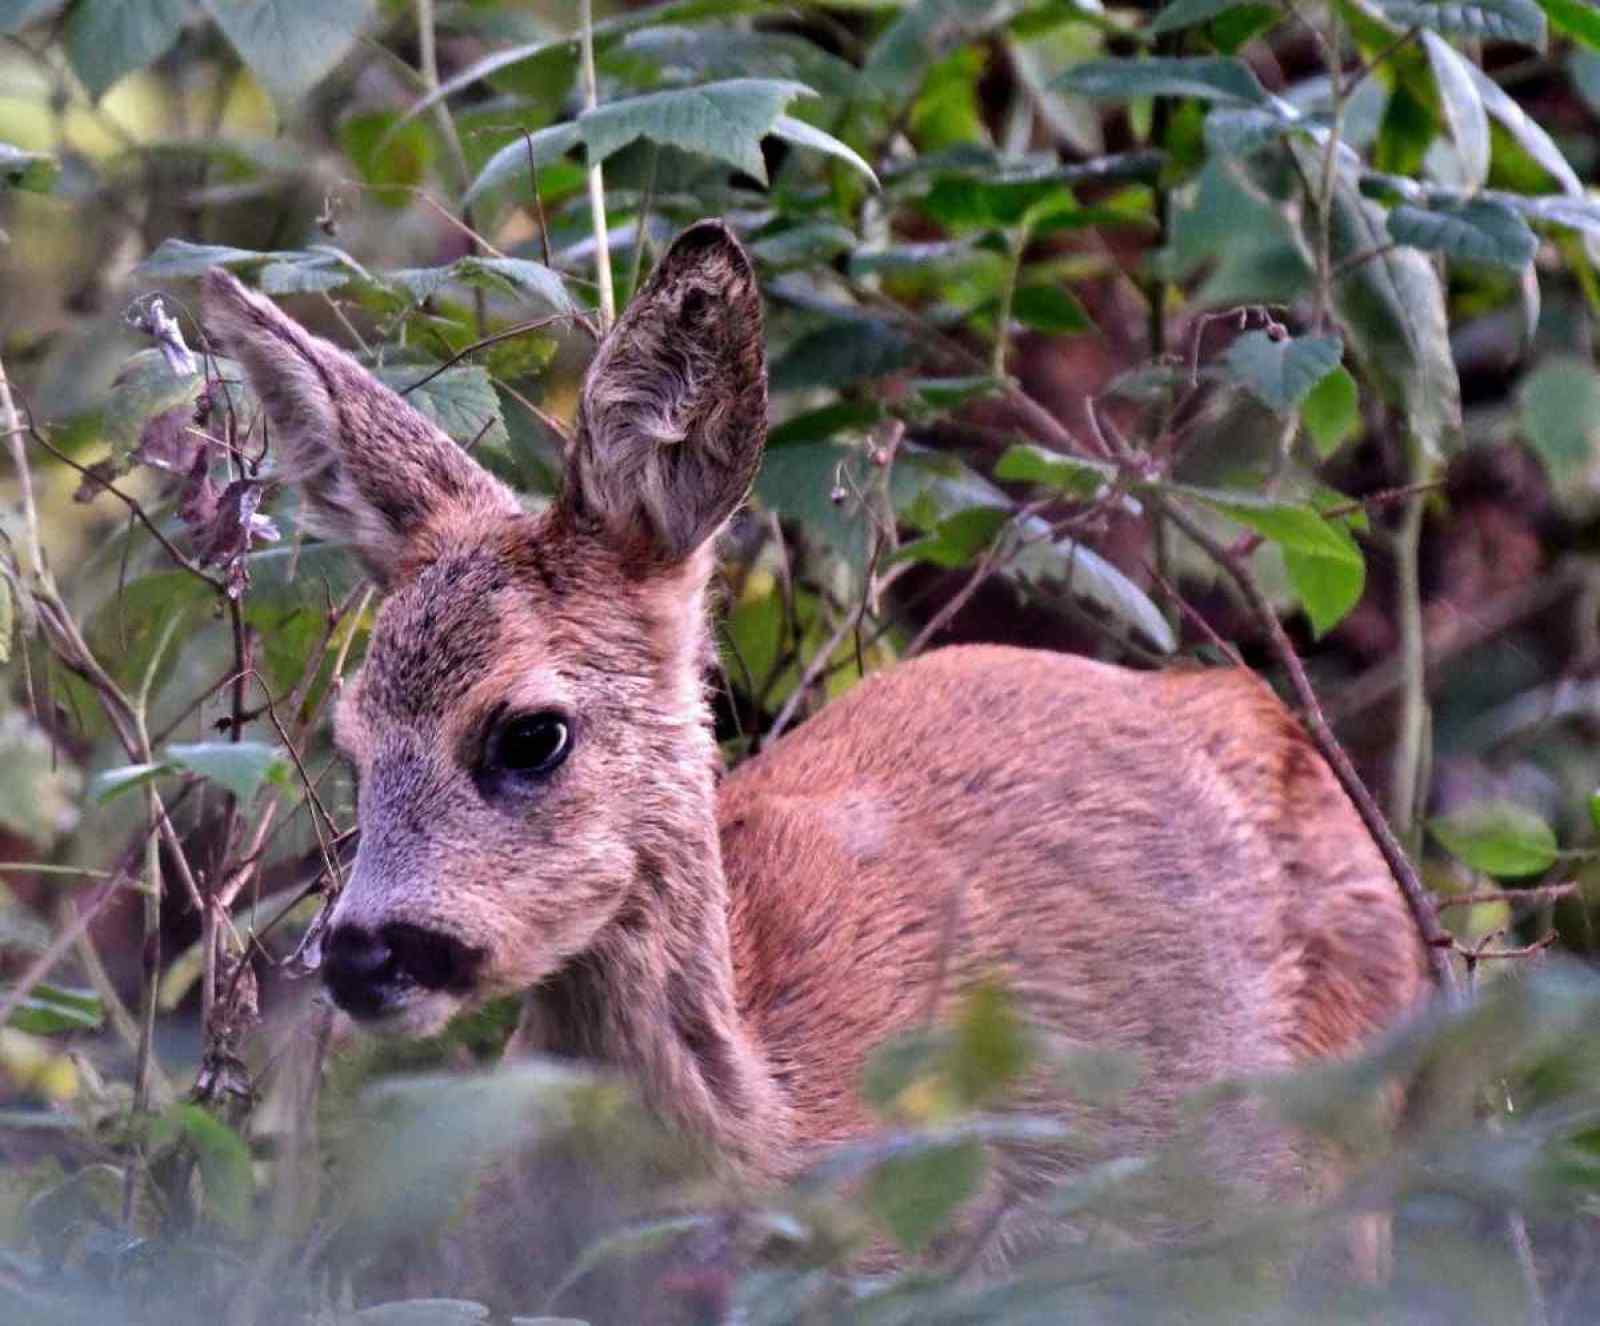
{"x":597,"y":184}
{"x":11,"y":425}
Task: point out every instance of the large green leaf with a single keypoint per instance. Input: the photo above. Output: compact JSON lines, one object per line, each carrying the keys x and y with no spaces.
{"x":801,"y":134}
{"x":1479,"y":230}
{"x":461,"y":400}
{"x":725,"y":120}
{"x":1462,"y":107}
{"x":1326,"y":569}
{"x":1495,"y":20}
{"x":291,"y":45}
{"x":957,"y":540}
{"x":916,"y":1193}
{"x":1332,"y":412}
{"x":1280,"y":372}
{"x":145,"y":388}
{"x":1391,"y":307}
{"x":1498,"y":838}
{"x":106,"y":39}
{"x":240,"y":766}
{"x":522,"y":156}
{"x":1210,"y":78}
{"x":49,"y":1009}
{"x":1529,"y":134}
{"x":178,"y":258}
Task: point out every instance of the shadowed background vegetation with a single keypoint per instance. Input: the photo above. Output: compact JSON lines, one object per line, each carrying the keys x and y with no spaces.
{"x":1204,"y":331}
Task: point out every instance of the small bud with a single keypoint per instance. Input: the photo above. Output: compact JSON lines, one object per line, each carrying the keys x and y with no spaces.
{"x":838,"y":495}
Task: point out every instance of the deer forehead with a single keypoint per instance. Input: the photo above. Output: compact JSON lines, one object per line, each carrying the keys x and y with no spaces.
{"x":492,"y":628}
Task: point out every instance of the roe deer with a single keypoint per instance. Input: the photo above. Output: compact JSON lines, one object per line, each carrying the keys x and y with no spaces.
{"x":1159,"y":862}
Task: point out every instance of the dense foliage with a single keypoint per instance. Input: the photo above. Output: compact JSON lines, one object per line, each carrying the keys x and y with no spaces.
{"x":1213,"y":328}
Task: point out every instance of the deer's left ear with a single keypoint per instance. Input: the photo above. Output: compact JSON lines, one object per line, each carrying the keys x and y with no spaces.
{"x":674,"y":408}
{"x":376,"y":473}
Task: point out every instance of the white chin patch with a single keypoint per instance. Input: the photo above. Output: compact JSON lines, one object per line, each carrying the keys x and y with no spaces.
{"x":423,"y":1014}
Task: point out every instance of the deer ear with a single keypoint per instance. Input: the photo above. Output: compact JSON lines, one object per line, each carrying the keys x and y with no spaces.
{"x":376,"y":473}
{"x":674,"y":408}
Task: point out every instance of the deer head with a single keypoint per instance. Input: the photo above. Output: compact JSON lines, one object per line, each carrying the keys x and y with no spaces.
{"x":528,"y":731}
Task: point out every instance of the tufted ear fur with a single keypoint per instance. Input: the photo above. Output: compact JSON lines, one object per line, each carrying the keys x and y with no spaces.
{"x":376,"y":473}
{"x":674,"y":407}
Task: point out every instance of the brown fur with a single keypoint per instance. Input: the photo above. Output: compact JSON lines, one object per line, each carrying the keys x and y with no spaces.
{"x":1154,"y":862}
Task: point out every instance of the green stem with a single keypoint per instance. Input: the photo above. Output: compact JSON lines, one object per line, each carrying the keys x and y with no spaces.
{"x":1410,"y":748}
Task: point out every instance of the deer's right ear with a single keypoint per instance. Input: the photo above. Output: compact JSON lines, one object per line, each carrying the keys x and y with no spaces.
{"x":674,"y":408}
{"x":375,"y":472}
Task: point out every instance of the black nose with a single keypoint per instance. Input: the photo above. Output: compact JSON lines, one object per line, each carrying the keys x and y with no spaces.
{"x":360,"y":970}
{"x":369,"y":972}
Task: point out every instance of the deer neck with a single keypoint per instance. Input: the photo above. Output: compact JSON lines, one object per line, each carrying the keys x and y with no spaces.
{"x":655,"y":994}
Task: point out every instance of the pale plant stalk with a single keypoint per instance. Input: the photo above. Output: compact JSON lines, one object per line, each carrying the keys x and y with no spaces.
{"x":597,"y":184}
{"x":11,"y":424}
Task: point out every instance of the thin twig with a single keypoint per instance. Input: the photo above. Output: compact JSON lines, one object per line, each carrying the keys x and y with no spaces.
{"x":597,"y":186}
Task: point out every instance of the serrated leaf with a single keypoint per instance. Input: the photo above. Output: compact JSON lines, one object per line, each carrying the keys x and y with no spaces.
{"x":519,"y":276}
{"x":1496,"y":20}
{"x":1180,"y":14}
{"x":916,"y":1194}
{"x":1325,"y":566}
{"x":1462,"y":107}
{"x":1331,"y":412}
{"x":178,"y":257}
{"x":1558,"y":409}
{"x":1024,"y":462}
{"x":1499,"y":838}
{"x":239,"y":766}
{"x":33,"y":171}
{"x":1210,"y":78}
{"x":291,"y":45}
{"x":1281,"y":372}
{"x":1579,"y":19}
{"x":809,"y":136}
{"x":461,"y":400}
{"x":725,"y":120}
{"x":50,"y":1009}
{"x":1049,"y":308}
{"x":523,"y":155}
{"x":106,"y":39}
{"x":1479,"y":230}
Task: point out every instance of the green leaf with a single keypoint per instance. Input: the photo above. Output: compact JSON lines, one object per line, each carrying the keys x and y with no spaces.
{"x":33,"y":171}
{"x":915,"y":1194}
{"x":145,"y":388}
{"x":224,"y":1159}
{"x":1462,"y":107}
{"x":1579,"y":19}
{"x":956,"y":540}
{"x":1558,"y":409}
{"x":516,"y":276}
{"x":1080,"y":572}
{"x":239,"y":766}
{"x":291,"y":45}
{"x":1023,"y":462}
{"x":842,"y":352}
{"x":1280,"y":372}
{"x":1210,"y":78}
{"x":1528,"y":133}
{"x":805,"y":135}
{"x":17,"y":14}
{"x":175,"y":258}
{"x":1325,"y":566}
{"x":522,"y":156}
{"x":110,"y":783}
{"x":387,"y":155}
{"x":1049,"y":308}
{"x":1499,"y":838}
{"x":49,"y":1009}
{"x":812,"y":243}
{"x":948,"y":393}
{"x":1180,"y":14}
{"x":461,"y":400}
{"x":106,"y":39}
{"x":1391,"y":308}
{"x":1479,"y":230}
{"x":1497,"y":20}
{"x":1594,"y":808}
{"x":1332,"y":412}
{"x":725,"y":120}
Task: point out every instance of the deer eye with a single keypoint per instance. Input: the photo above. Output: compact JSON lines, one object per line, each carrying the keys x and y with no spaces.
{"x":529,"y":745}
